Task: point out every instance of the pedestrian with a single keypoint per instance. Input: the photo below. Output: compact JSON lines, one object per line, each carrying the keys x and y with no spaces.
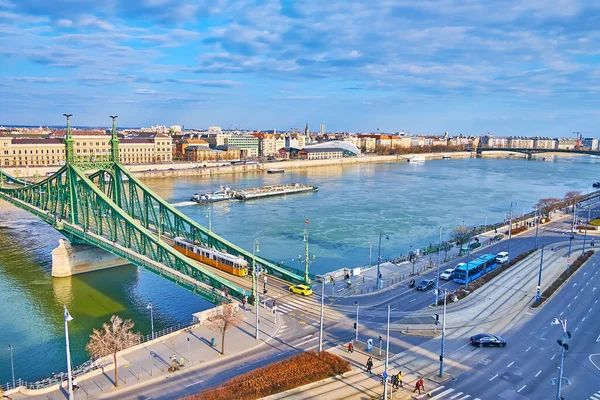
{"x":244,"y":300}
{"x":399,"y":378}
{"x":395,"y":381}
{"x":496,"y":231}
{"x":369,"y":365}
{"x":422,"y":383}
{"x":74,"y":383}
{"x":351,"y":347}
{"x":418,"y":386}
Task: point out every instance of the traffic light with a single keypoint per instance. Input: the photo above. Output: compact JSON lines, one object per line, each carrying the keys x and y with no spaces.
{"x":380,"y":338}
{"x":355,"y":326}
{"x":437,"y":319}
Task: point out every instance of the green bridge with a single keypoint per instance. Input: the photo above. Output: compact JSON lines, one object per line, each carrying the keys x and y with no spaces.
{"x":95,"y":200}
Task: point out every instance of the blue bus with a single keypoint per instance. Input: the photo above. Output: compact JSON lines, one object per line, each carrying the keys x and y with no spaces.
{"x":475,"y":268}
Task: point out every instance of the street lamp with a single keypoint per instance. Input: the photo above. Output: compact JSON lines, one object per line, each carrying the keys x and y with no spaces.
{"x":379,"y":261}
{"x":12,"y":365}
{"x":370,"y":254}
{"x":208,"y":217}
{"x":437,"y":277}
{"x":68,"y":318}
{"x":322,"y":278}
{"x":443,"y":332}
{"x":564,"y":345}
{"x":387,"y":355}
{"x":586,"y":225}
{"x":537,"y":226}
{"x":485,"y":225}
{"x":149,"y":307}
{"x":539,"y":285}
{"x":572,"y":235}
{"x":356,"y":323}
{"x":307,"y":259}
{"x":510,"y":227}
{"x":255,"y":250}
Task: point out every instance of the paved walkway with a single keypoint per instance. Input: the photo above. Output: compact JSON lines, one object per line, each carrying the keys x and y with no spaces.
{"x":149,"y":362}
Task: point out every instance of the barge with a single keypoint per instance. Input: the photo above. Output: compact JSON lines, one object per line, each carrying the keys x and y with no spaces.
{"x":211,"y":197}
{"x":275,"y":171}
{"x":277,"y":190}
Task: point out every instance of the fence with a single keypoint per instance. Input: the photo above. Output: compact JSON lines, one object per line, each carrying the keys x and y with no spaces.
{"x":88,"y":366}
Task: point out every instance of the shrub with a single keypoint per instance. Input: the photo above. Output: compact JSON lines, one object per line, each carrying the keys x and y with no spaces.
{"x":284,"y":375}
{"x":595,"y":222}
{"x":562,"y":278}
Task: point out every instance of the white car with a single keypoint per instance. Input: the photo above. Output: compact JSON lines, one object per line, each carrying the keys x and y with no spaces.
{"x":449,"y":273}
{"x":502,"y":257}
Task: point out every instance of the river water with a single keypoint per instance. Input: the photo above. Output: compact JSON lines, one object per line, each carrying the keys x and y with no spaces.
{"x":353,"y":205}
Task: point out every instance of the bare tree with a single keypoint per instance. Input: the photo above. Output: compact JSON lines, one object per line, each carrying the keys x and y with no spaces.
{"x":547,"y":205}
{"x":461,"y":235}
{"x":572,"y":197}
{"x":113,"y":338}
{"x":224,"y":322}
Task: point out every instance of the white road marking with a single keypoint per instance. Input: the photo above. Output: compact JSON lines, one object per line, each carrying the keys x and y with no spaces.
{"x":598,"y":340}
{"x":553,"y":357}
{"x":576,"y":329}
{"x":561,"y":313}
{"x":590,"y":309}
{"x":528,"y":349}
{"x":494,"y":377}
{"x":569,"y":305}
{"x":195,"y":383}
{"x":583,"y":319}
{"x":523,"y":387}
{"x":539,"y":372}
{"x":456,"y":395}
{"x":575,"y":297}
{"x":412,"y":300}
{"x":442,"y":394}
{"x":508,"y":366}
{"x":306,"y":341}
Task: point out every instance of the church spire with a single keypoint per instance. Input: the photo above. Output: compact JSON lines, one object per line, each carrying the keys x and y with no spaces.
{"x":306,"y":131}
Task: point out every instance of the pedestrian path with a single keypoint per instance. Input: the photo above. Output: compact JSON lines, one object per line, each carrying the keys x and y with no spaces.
{"x":595,"y":396}
{"x":444,"y":393}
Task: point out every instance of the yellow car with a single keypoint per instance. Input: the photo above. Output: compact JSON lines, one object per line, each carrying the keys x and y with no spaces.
{"x":301,"y":289}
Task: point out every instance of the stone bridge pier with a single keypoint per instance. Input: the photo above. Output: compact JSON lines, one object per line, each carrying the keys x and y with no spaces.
{"x":72,"y":259}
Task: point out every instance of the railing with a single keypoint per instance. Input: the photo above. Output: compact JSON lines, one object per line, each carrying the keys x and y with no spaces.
{"x":88,"y":366}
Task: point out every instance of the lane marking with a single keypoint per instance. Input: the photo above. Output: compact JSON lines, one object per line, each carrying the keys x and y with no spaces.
{"x":412,"y":300}
{"x":576,"y":329}
{"x":528,"y":349}
{"x":508,"y":366}
{"x":195,"y":383}
{"x":553,"y":357}
{"x":583,"y":319}
{"x":494,"y":377}
{"x":575,"y":297}
{"x":523,"y":387}
{"x":569,"y":305}
{"x":561,"y":313}
{"x":590,"y":309}
{"x":598,"y":340}
{"x":437,"y":396}
{"x":539,"y":372}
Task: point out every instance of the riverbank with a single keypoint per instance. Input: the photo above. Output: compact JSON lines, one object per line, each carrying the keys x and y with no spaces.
{"x":172,"y":170}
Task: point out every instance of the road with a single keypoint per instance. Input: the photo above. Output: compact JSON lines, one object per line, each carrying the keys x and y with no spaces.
{"x":527,"y":368}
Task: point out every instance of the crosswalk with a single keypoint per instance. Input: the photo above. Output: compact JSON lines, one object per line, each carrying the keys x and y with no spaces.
{"x":444,"y":393}
{"x":595,"y":396}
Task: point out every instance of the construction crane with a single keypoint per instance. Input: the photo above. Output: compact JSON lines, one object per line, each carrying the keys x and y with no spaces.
{"x":578,"y":137}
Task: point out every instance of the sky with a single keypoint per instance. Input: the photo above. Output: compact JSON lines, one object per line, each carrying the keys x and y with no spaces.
{"x":507,"y":67}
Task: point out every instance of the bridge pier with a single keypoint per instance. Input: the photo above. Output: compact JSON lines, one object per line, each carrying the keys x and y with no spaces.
{"x":72,"y":259}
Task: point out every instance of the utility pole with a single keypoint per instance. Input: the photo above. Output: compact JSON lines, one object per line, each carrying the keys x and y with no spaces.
{"x":586,"y":225}
{"x":510,"y":228}
{"x":255,"y":250}
{"x":379,"y":262}
{"x":387,"y":355}
{"x":539,"y":285}
{"x":571,"y":238}
{"x":443,"y":336}
{"x":321,"y":317}
{"x":437,"y":277}
{"x":356,"y":323}
{"x":564,"y":345}
{"x":537,"y":227}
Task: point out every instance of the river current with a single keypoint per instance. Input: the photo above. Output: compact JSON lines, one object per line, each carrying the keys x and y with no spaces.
{"x":353,"y":205}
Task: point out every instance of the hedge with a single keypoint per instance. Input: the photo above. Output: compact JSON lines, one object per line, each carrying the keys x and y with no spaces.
{"x":554,"y":286}
{"x":293,"y":372}
{"x":476,"y":284}
{"x":595,"y":222}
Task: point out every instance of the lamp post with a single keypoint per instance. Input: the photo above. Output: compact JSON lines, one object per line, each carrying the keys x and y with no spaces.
{"x":410,"y":252}
{"x":537,"y":226}
{"x":443,"y":335}
{"x":370,"y":254}
{"x":437,"y":277}
{"x":387,"y":354}
{"x":467,"y":264}
{"x":208,"y":217}
{"x":356,"y":323}
{"x":564,"y":345}
{"x":68,"y":318}
{"x":149,"y":307}
{"x":586,"y":225}
{"x":485,"y":224}
{"x":379,"y":262}
{"x":510,"y":227}
{"x":255,"y":250}
{"x":307,"y":260}
{"x":321,"y":317}
{"x":12,"y":365}
{"x":539,"y":285}
{"x":572,"y":230}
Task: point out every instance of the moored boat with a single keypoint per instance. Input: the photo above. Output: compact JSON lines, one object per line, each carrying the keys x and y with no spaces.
{"x":275,"y":171}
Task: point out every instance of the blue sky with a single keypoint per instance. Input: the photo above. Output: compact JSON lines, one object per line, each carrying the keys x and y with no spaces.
{"x":463,"y":66}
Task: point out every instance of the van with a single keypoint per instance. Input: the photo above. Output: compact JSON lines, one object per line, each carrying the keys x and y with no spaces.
{"x":502,"y":257}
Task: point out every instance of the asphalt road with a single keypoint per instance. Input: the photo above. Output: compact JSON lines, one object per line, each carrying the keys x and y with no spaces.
{"x":528,"y":367}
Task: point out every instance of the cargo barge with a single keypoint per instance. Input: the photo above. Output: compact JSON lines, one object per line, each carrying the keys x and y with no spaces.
{"x":278,"y":190}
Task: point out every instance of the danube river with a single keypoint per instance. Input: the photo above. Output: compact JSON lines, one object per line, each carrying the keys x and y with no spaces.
{"x":353,"y":205}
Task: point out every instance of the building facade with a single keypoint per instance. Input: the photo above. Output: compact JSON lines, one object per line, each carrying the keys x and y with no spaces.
{"x":544,"y":143}
{"x":590,"y":143}
{"x":248,"y":145}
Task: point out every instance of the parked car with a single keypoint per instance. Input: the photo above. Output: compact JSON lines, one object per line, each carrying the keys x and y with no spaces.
{"x":425,"y":285}
{"x":486,"y":339}
{"x":301,"y":289}
{"x":502,"y":257}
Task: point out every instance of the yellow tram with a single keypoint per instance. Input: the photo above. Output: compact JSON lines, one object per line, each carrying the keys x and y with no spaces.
{"x":226,"y":262}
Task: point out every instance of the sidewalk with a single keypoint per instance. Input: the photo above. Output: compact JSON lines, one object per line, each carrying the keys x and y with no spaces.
{"x":394,"y":273}
{"x":148,"y":362}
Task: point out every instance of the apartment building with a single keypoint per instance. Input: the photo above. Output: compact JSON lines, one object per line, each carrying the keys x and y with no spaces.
{"x":518,"y":142}
{"x":544,"y":143}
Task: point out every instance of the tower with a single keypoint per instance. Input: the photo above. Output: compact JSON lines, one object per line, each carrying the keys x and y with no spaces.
{"x":306,"y":130}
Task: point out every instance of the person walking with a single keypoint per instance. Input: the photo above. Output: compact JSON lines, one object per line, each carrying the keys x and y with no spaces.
{"x":369,"y":365}
{"x":351,"y":347}
{"x":418,"y":386}
{"x":399,"y":378}
{"x":74,"y":383}
{"x":244,"y":300}
{"x":422,"y":381}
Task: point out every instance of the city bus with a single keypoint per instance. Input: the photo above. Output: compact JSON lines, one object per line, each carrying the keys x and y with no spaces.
{"x":475,"y":268}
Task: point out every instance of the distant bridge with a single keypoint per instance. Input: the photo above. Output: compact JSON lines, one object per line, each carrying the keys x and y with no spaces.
{"x":530,"y":152}
{"x":113,"y":210}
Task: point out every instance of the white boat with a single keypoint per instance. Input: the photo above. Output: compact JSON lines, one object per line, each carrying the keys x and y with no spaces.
{"x":446,"y":157}
{"x":212,"y":197}
{"x":416,"y":159}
